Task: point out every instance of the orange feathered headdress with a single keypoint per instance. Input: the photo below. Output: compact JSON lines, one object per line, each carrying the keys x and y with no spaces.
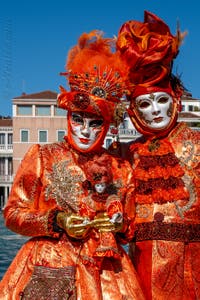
{"x":96,"y":78}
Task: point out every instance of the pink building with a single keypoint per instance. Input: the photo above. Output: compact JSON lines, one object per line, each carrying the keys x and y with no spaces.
{"x":6,"y":154}
{"x":36,"y":119}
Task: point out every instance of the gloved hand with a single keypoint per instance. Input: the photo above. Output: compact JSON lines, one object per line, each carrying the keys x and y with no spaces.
{"x":74,"y":225}
{"x":117,"y":218}
{"x":104,"y":224}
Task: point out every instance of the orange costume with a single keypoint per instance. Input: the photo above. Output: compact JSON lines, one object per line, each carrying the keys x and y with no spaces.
{"x":167,"y":234}
{"x":166,"y":166}
{"x":58,"y":262}
{"x":97,"y":202}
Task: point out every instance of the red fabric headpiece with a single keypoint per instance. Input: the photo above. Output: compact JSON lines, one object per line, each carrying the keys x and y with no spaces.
{"x":149,"y":48}
{"x":99,"y":170}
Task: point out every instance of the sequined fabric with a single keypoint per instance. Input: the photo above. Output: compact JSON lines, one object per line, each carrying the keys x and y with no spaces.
{"x":51,"y":283}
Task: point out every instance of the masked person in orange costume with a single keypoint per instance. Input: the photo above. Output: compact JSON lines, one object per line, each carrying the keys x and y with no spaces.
{"x":165,"y":161}
{"x":58,"y":261}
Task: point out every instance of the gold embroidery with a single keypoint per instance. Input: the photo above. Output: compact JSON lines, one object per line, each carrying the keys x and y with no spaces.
{"x":193,"y":197}
{"x":64,"y":185}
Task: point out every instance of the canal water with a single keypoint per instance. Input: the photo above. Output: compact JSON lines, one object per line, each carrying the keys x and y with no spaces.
{"x":10,"y":243}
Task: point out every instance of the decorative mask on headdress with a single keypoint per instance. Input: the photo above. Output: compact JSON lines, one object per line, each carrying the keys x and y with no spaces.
{"x":95,"y":75}
{"x":149,"y":48}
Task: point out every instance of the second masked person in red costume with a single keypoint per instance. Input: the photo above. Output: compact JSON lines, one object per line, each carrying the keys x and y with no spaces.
{"x":166,"y":164}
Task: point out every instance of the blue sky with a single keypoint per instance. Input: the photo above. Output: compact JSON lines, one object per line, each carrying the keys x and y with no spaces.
{"x":35,"y":36}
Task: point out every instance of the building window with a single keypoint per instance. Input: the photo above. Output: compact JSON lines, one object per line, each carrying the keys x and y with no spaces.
{"x":10,"y":138}
{"x":42,"y":136}
{"x":59,"y":111}
{"x":24,"y":135}
{"x":108,"y":143}
{"x":183,"y":108}
{"x":190,"y":107}
{"x":43,"y":110}
{"x":196,"y":108}
{"x":24,"y":110}
{"x":60,"y":135}
{"x":2,"y":166}
{"x":124,"y":124}
{"x":126,"y":115}
{"x":2,"y":138}
{"x":10,"y":166}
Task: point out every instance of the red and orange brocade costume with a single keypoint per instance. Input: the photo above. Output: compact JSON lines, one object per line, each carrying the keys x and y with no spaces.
{"x":94,"y":206}
{"x":49,"y":179}
{"x":166,"y":246}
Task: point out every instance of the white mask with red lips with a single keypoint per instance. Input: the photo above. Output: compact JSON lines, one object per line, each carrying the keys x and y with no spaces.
{"x":155,"y":109}
{"x":85,"y":129}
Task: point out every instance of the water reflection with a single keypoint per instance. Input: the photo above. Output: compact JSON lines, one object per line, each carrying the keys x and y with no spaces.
{"x":9,"y":245}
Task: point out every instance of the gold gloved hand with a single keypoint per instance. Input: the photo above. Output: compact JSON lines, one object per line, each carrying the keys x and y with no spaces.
{"x":103,"y":223}
{"x":74,"y":225}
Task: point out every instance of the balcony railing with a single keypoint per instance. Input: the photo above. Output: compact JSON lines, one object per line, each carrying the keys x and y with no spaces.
{"x":128,"y":131}
{"x":6,"y":178}
{"x":125,"y":132}
{"x":6,"y":147}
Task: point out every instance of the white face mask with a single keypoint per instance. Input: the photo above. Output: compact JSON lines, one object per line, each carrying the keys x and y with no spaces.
{"x":155,"y":109}
{"x":85,"y":130}
{"x":100,"y":187}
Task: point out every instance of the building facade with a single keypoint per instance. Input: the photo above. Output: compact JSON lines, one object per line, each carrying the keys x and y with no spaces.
{"x":6,"y":159}
{"x":37,"y":119}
